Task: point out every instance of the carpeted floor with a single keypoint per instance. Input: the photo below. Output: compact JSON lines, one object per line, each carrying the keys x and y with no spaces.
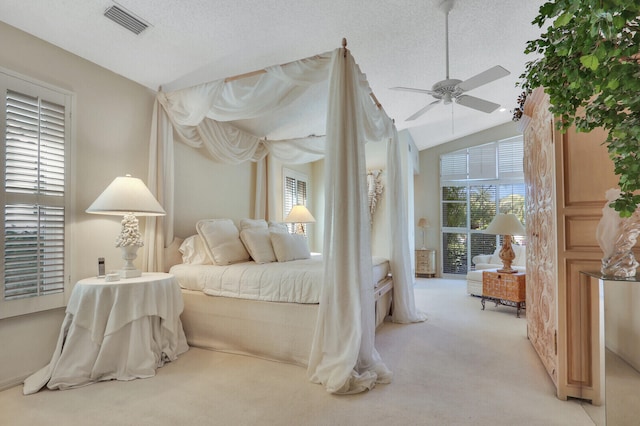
{"x":464,"y":366}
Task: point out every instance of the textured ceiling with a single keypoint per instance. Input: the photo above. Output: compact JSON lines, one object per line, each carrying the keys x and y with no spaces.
{"x":395,"y":42}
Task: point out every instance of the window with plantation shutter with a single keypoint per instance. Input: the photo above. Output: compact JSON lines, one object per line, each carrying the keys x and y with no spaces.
{"x":477,"y":183}
{"x":35,"y":126}
{"x":482,"y":162}
{"x":510,"y":155}
{"x":453,"y":166}
{"x":295,"y":191}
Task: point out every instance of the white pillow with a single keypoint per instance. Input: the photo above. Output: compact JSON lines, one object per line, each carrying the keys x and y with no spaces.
{"x":222,"y":241}
{"x":289,"y":247}
{"x":194,"y":252}
{"x":278,"y":227}
{"x":521,"y":255}
{"x":258,"y":243}
{"x":495,"y":258}
{"x":252,"y":223}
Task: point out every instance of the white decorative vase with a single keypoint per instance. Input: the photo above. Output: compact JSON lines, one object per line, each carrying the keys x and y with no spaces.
{"x":622,"y":263}
{"x":617,"y":236}
{"x":129,"y":254}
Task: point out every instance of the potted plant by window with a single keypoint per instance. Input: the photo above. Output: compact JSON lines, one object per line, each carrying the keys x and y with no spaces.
{"x":589,"y":64}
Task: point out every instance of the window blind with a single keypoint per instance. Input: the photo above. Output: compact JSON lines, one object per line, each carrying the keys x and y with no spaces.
{"x":510,"y":158}
{"x":453,"y":166}
{"x":482,"y":162}
{"x":34,"y":183}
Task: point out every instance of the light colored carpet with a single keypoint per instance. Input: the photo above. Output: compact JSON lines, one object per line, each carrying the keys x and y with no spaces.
{"x":464,"y":366}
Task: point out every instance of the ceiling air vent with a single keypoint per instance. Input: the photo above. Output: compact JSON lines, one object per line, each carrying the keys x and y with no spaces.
{"x":123,"y":17}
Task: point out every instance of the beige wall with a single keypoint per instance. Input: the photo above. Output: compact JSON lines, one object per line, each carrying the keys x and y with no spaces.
{"x":427,"y":182}
{"x":206,"y":190}
{"x":112,"y":122}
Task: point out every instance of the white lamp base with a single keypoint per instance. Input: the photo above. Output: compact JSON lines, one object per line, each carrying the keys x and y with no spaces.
{"x":129,"y":254}
{"x":130,"y":273}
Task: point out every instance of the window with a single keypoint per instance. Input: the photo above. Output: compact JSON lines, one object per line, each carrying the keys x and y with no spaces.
{"x":295,"y":191}
{"x":476,"y":184}
{"x":35,"y":125}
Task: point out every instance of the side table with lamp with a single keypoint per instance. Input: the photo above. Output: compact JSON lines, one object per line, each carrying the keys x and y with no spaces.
{"x":506,"y":285}
{"x":425,"y":258}
{"x":122,"y":326}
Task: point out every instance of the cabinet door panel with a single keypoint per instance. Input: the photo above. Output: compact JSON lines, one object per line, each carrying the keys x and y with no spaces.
{"x":539,"y":169}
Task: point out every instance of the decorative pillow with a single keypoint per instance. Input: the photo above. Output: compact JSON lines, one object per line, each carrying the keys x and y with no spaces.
{"x":519,"y":251}
{"x":252,"y":223}
{"x":521,"y":255}
{"x":495,"y":258}
{"x":278,"y":227}
{"x":289,"y":247}
{"x":222,"y":241}
{"x":257,"y":241}
{"x":194,"y":252}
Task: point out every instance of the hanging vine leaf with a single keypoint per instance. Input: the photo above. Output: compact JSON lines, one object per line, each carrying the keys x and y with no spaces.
{"x":588,"y":60}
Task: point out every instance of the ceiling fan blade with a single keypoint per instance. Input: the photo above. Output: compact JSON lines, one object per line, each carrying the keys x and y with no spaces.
{"x":483,"y":78}
{"x":423,"y":110}
{"x":477,"y":103}
{"x":411,"y":89}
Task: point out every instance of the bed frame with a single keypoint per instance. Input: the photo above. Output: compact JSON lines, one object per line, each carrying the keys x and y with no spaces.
{"x":270,"y":330}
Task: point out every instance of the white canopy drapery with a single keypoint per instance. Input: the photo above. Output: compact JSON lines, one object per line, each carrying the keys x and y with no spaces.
{"x":343,"y":357}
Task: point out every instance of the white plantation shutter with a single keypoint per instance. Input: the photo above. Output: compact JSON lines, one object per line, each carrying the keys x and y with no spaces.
{"x":33,"y":250}
{"x":35,"y":124}
{"x":453,"y":166}
{"x":510,"y":158}
{"x":482,"y":162}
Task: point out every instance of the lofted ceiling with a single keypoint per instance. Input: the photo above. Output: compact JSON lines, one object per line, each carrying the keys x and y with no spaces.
{"x":395,"y":42}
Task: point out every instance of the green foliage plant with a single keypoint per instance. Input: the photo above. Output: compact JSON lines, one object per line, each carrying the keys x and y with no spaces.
{"x":589,"y":64}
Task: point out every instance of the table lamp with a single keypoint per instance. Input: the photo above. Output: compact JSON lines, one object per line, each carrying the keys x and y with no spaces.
{"x":506,"y":225}
{"x":298,"y":215}
{"x":129,"y":197}
{"x":423,"y":223}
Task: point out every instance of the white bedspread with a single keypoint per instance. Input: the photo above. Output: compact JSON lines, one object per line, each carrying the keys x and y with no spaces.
{"x":298,"y":281}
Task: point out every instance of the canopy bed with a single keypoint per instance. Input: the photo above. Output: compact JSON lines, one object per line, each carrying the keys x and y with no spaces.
{"x":222,"y":119}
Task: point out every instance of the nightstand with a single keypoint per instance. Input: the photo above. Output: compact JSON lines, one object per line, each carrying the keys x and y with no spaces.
{"x":425,"y":263}
{"x":119,"y":330}
{"x":504,"y":289}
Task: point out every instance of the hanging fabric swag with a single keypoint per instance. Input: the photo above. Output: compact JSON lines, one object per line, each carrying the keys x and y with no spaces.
{"x":343,"y":356}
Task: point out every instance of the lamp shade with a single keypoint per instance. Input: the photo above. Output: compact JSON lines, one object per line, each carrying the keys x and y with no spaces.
{"x":299,"y":214}
{"x":125,"y":195}
{"x":505,"y":224}
{"x":424,"y":223}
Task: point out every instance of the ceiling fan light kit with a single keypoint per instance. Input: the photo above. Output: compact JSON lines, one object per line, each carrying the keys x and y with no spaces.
{"x":453,"y":90}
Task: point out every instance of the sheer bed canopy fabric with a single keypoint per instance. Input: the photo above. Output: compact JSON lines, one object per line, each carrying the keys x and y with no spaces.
{"x":220,"y":117}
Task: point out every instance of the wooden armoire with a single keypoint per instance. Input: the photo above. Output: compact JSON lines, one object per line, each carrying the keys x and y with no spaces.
{"x":566,"y":176}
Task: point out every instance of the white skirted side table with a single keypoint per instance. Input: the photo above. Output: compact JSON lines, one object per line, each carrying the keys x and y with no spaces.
{"x":119,"y":330}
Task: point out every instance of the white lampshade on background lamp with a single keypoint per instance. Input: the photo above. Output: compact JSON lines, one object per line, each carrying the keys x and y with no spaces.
{"x":129,"y":197}
{"x":506,"y":225}
{"x":423,"y":223}
{"x":298,"y":215}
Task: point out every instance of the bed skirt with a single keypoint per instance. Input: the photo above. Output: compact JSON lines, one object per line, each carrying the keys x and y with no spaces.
{"x":270,"y":330}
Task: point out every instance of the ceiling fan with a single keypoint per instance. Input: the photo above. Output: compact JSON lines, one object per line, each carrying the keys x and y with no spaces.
{"x":453,"y":90}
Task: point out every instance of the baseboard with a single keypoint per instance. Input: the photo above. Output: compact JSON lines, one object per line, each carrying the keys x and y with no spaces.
{"x":9,"y":383}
